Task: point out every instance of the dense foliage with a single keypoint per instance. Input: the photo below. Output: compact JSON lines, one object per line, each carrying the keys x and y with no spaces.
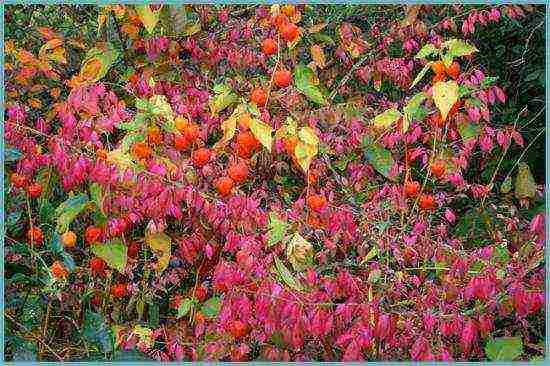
{"x":274,"y":182}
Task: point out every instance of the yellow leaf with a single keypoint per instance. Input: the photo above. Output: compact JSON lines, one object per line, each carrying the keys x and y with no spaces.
{"x":228,"y":127}
{"x":386,"y":118}
{"x":308,"y":135}
{"x":145,"y":335}
{"x":50,"y":45}
{"x":318,"y":55}
{"x":58,"y":55}
{"x":262,"y":132}
{"x":288,"y":129}
{"x":162,"y":243}
{"x":445,"y":95}
{"x":304,"y":154}
{"x":121,"y":159}
{"x":148,"y":17}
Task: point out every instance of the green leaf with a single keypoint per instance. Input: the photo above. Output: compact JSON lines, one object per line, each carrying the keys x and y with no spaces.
{"x":286,"y":276}
{"x":421,"y":74}
{"x":67,"y":211}
{"x":525,"y":183}
{"x":504,"y":348}
{"x":11,"y":154}
{"x":136,"y":124}
{"x":68,"y":261}
{"x":303,"y":79}
{"x":468,"y":130}
{"x":148,"y":17}
{"x":106,"y":57}
{"x":386,"y":118}
{"x":154,"y":313}
{"x":428,"y":50}
{"x":113,"y":252}
{"x":161,"y":243}
{"x":371,"y":254}
{"x":277,"y":229}
{"x":223,"y":98}
{"x":380,"y":158}
{"x":211,"y":308}
{"x":459,"y":48}
{"x":184,"y":308}
{"x":488,"y":81}
{"x":55,"y":244}
{"x":96,"y":194}
{"x":95,"y":330}
{"x":445,"y":95}
{"x":506,"y":186}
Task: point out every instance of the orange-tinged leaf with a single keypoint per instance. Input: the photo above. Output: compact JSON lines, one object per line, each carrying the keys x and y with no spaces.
{"x":9,"y":46}
{"x":25,"y":57}
{"x":58,"y":55}
{"x":55,"y":92}
{"x":50,"y":45}
{"x":318,"y":55}
{"x":130,"y":29}
{"x":48,"y":33}
{"x":91,"y":69}
{"x":35,"y":103}
{"x":317,"y":28}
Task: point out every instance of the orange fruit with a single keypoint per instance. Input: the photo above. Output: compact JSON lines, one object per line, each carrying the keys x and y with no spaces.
{"x":35,"y":236}
{"x":438,"y":68}
{"x":59,"y":270}
{"x":412,"y":188}
{"x":180,"y":142}
{"x":269,"y":47}
{"x":238,"y":172}
{"x":224,"y":185}
{"x":181,"y":123}
{"x":453,"y":70}
{"x":154,"y":136}
{"x":438,"y":168}
{"x":119,"y":291}
{"x":282,"y":78}
{"x":427,"y":202}
{"x":316,"y":202}
{"x":244,"y":121}
{"x":141,"y":150}
{"x":68,"y":239}
{"x":34,"y":190}
{"x":259,"y":97}
{"x":289,"y":32}
{"x":92,"y":235}
{"x":201,"y":157}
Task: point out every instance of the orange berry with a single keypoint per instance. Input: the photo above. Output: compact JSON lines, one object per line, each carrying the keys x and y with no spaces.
{"x":282,"y":78}
{"x":438,"y":168}
{"x":438,"y":78}
{"x":92,"y":235}
{"x":199,"y":317}
{"x":68,"y":239}
{"x":269,"y":47}
{"x":224,"y":185}
{"x":427,"y":202}
{"x":97,"y":265}
{"x":238,"y":172}
{"x":192,"y":132}
{"x":289,"y":32}
{"x":453,"y":70}
{"x":259,"y":97}
{"x":119,"y":291}
{"x":102,"y":154}
{"x":438,"y":68}
{"x":154,"y":136}
{"x":412,"y":188}
{"x":201,"y":157}
{"x":280,"y":20}
{"x":34,"y":190}
{"x":141,"y":151}
{"x":316,"y":202}
{"x":238,"y":329}
{"x":59,"y":270}
{"x":180,"y":142}
{"x":243,"y":152}
{"x":18,"y":180}
{"x":181,"y":123}
{"x":35,"y":236}
{"x":247,"y":140}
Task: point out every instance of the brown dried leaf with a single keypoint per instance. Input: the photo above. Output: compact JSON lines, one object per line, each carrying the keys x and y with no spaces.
{"x":318,"y":55}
